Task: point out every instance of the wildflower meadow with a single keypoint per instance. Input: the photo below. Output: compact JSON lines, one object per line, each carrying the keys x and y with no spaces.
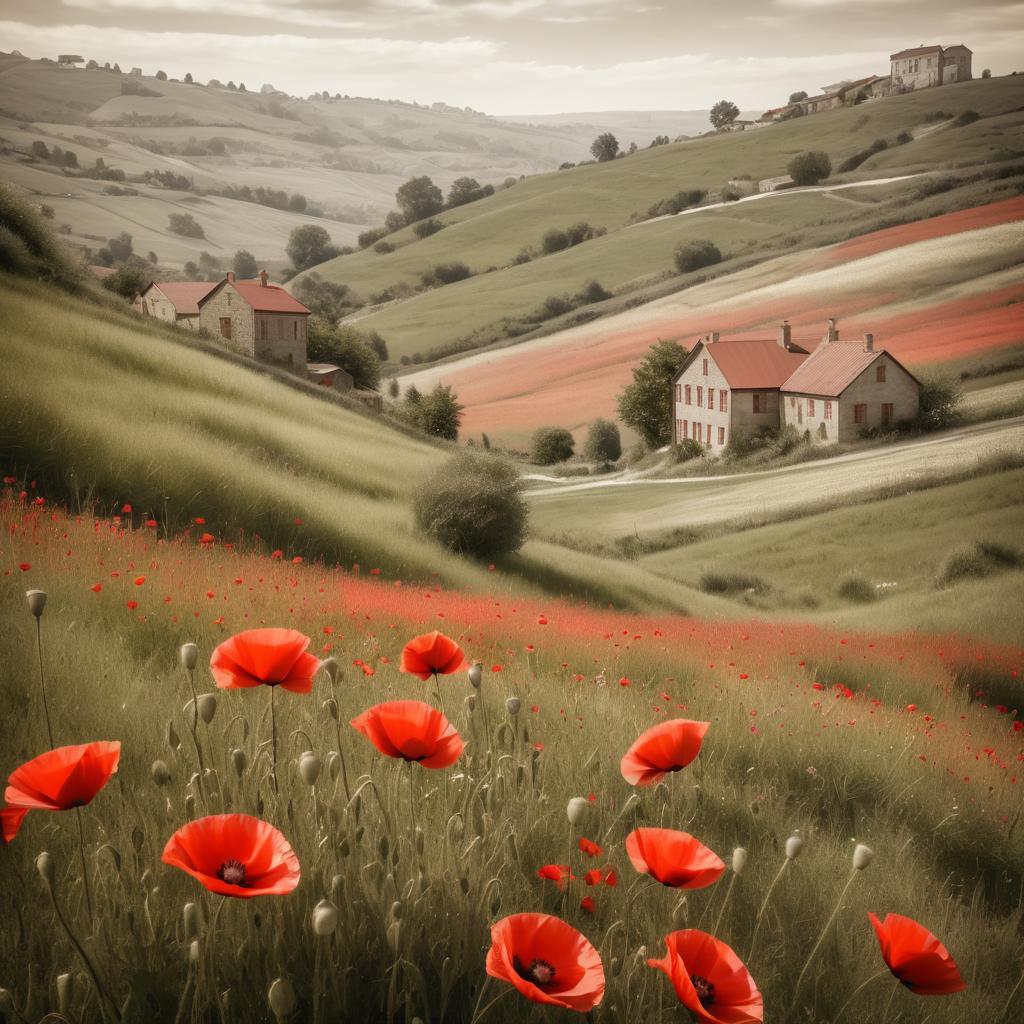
{"x":244,"y":787}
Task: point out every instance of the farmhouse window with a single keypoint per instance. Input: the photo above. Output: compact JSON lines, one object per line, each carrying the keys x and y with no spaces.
{"x":678,"y":396}
{"x":711,"y":398}
{"x":880,"y":373}
{"x":828,"y":410}
{"x":860,"y":414}
{"x":700,"y":397}
{"x":705,"y":367}
{"x":696,"y":431}
{"x":721,"y":435}
{"x":225,"y":327}
{"x":708,"y":440}
{"x":684,"y":432}
{"x":886,"y":413}
{"x":689,"y":395}
{"x":760,"y":403}
{"x":810,"y":406}
{"x":723,"y":401}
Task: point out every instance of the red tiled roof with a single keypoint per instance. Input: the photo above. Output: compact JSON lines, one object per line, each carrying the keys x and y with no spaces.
{"x":831,"y":369}
{"x":185,"y":296}
{"x":915,"y":51}
{"x":269,"y":298}
{"x":754,"y":364}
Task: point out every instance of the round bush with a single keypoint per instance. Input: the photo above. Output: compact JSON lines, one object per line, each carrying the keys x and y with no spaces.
{"x":811,"y":167}
{"x":474,"y":505}
{"x":856,"y":588}
{"x":551,"y":445}
{"x":694,"y":255}
{"x":603,"y":442}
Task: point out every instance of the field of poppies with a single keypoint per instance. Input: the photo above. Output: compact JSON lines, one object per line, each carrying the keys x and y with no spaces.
{"x":288,"y":791}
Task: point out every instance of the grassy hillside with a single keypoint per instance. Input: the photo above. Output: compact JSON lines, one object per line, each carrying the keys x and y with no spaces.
{"x":489,"y":234}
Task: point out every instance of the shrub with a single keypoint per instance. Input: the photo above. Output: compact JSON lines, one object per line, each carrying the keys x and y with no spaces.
{"x":325,"y":298}
{"x":967,"y":117}
{"x":474,"y":505}
{"x":445,"y":273}
{"x":694,"y":255}
{"x":603,"y":442}
{"x":939,"y":397}
{"x":580,"y":232}
{"x":428,"y":227}
{"x":933,"y":186}
{"x":552,"y":306}
{"x":550,"y":445}
{"x":367,"y":238}
{"x":730,"y":194}
{"x":856,"y":588}
{"x":554,"y":241}
{"x":903,"y":138}
{"x":732,"y":583}
{"x":684,"y":451}
{"x":185,"y":224}
{"x":346,"y":347}
{"x":810,"y":167}
{"x":976,"y":561}
{"x":383,"y":247}
{"x":592,"y":292}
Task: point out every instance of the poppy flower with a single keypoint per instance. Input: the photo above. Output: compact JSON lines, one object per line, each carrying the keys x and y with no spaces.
{"x":433,"y":654}
{"x":547,"y":960}
{"x":412,"y":731}
{"x":667,"y":747}
{"x":674,"y":858}
{"x":557,"y":873}
{"x":590,"y":848}
{"x":916,"y":957}
{"x":58,"y":781}
{"x":710,"y":979}
{"x":271,"y":657}
{"x":234,"y":855}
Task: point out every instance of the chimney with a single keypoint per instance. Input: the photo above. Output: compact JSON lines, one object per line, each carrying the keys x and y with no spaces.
{"x":713,"y":337}
{"x":869,"y":343}
{"x":230,"y":277}
{"x":832,"y":333}
{"x":263,"y":279}
{"x":785,"y":335}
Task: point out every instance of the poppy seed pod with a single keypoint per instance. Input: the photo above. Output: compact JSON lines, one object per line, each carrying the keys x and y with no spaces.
{"x":36,"y":601}
{"x":239,"y":760}
{"x":862,"y":856}
{"x":161,"y":773}
{"x":794,"y":846}
{"x":739,"y":860}
{"x":207,"y":706}
{"x":65,"y":986}
{"x":471,"y":702}
{"x":282,"y":999}
{"x":476,"y":674}
{"x":325,"y":918}
{"x":334,"y":764}
{"x":44,"y":865}
{"x":193,"y":951}
{"x":575,"y":809}
{"x":190,"y":917}
{"x":512,"y":705}
{"x":331,"y":707}
{"x":309,"y":767}
{"x":331,"y":667}
{"x":189,"y":654}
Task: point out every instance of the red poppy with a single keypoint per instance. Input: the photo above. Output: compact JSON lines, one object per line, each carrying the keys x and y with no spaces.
{"x":412,"y":731}
{"x":58,"y":781}
{"x":557,"y":873}
{"x":588,"y":904}
{"x":547,"y":960}
{"x":674,"y":858}
{"x":667,"y":747}
{"x":271,"y":657}
{"x":24,"y":566}
{"x":916,"y":957}
{"x":590,"y":848}
{"x":433,"y":654}
{"x":234,"y":855}
{"x":710,"y":979}
{"x":207,"y":538}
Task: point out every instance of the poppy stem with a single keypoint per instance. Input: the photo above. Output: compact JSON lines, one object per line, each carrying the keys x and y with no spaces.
{"x":195,"y":727}
{"x":764,"y":906}
{"x":42,"y":681}
{"x":824,"y":931}
{"x":856,"y":992}
{"x":273,"y":740}
{"x":479,"y":1014}
{"x":440,"y":699}
{"x":85,"y":868}
{"x":721,"y":909}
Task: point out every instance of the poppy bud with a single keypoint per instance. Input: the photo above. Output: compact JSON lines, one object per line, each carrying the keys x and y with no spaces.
{"x":739,"y":860}
{"x":862,"y":856}
{"x":161,"y":773}
{"x":397,"y":910}
{"x":471,"y":702}
{"x":309,"y":767}
{"x":331,"y":707}
{"x":382,"y":847}
{"x":193,"y":951}
{"x":325,"y":918}
{"x":282,"y":999}
{"x":173,"y":740}
{"x":207,"y":706}
{"x":190,"y":806}
{"x":239,"y":760}
{"x":334,"y":764}
{"x":330,"y":666}
{"x":189,"y":654}
{"x":512,"y":705}
{"x":36,"y":601}
{"x":794,"y":846}
{"x":464,"y":885}
{"x":576,"y":808}
{"x":476,"y":674}
{"x":65,"y":986}
{"x":44,"y":865}
{"x":190,"y":917}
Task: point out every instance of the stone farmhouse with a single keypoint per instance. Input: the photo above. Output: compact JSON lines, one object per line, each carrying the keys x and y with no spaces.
{"x":924,"y":66}
{"x":741,"y":387}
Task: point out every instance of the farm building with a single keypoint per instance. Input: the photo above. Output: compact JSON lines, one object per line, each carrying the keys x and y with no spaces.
{"x":924,"y":66}
{"x":734,"y":388}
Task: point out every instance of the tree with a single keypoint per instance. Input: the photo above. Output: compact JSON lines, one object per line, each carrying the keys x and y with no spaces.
{"x":796,"y":97}
{"x":309,"y":245}
{"x":463,"y":190}
{"x":245,"y":265}
{"x":185,"y":224}
{"x":723,"y":112}
{"x":554,"y":240}
{"x":603,"y":442}
{"x":419,"y":198}
{"x":161,"y":76}
{"x":645,"y":404}
{"x":604,"y":148}
{"x":938,"y":399}
{"x":393,"y":389}
{"x":550,"y":445}
{"x":297,"y":203}
{"x":120,"y":247}
{"x":810,"y":167}
{"x":39,"y":149}
{"x":343,"y":346}
{"x":188,"y":78}
{"x":474,"y":505}
{"x":987,"y":73}
{"x":128,"y":280}
{"x":325,"y":298}
{"x":701,"y":252}
{"x":440,"y":413}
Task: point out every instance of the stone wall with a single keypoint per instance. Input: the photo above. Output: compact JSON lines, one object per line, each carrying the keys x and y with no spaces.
{"x":281,"y":338}
{"x":226,"y":304}
{"x":899,"y":388}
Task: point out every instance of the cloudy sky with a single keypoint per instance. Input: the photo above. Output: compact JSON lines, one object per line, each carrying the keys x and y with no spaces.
{"x":519,"y":56}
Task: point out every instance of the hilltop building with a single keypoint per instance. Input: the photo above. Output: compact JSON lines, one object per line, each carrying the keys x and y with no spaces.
{"x":922,"y":67}
{"x":740,"y":387}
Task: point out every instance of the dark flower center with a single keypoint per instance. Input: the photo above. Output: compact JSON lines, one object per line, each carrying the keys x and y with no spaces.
{"x":232,"y":872}
{"x":539,"y":973}
{"x":705,"y":990}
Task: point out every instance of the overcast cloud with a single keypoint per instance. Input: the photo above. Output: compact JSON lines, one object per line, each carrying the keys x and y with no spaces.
{"x":518,"y":56}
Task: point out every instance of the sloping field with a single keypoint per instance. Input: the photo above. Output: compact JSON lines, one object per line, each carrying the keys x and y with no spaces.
{"x":928,"y":293}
